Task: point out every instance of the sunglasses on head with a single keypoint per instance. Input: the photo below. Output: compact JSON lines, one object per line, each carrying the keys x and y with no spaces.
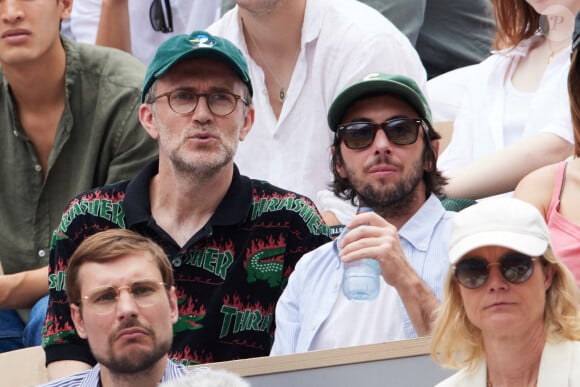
{"x":160,"y":16}
{"x":473,"y":272}
{"x":399,"y":131}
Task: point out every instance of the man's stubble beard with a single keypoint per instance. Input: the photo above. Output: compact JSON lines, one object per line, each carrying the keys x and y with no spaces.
{"x":135,"y":361}
{"x":394,"y":199}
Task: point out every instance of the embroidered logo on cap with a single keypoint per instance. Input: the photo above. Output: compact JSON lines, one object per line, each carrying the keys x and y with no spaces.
{"x":372,"y":76}
{"x":202,"y":41}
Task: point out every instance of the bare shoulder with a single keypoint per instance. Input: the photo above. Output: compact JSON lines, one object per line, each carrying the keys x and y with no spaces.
{"x":537,"y":187}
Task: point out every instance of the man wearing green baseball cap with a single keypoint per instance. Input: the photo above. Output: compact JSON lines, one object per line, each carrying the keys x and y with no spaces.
{"x":232,"y":240}
{"x":384,"y":157}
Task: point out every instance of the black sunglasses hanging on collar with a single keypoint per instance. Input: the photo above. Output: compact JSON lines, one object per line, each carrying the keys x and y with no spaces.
{"x":160,"y":16}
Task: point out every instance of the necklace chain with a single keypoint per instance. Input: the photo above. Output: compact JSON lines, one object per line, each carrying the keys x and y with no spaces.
{"x":282,"y":92}
{"x":560,"y":45}
{"x":550,"y":57}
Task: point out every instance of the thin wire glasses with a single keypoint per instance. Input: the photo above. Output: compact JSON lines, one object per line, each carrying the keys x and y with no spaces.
{"x":160,"y":16}
{"x":399,"y":131}
{"x":104,"y":299}
{"x":184,"y":102}
{"x":473,"y":272}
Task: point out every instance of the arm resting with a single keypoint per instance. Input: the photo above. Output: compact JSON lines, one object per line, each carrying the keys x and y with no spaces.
{"x":501,"y":171}
{"x":22,"y":290}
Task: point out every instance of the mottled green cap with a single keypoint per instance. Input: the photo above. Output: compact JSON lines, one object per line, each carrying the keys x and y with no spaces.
{"x":379,"y":84}
{"x":198,"y":44}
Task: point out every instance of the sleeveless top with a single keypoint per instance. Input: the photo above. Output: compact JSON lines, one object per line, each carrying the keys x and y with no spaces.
{"x":565,"y":235}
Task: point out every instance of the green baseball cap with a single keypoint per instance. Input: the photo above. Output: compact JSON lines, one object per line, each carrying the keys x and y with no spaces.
{"x":198,"y":44}
{"x":377,"y":84}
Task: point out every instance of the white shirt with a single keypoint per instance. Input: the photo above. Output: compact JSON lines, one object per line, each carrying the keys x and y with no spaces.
{"x":342,"y":41}
{"x":517,"y":105}
{"x":188,"y":16}
{"x":478,"y":129}
{"x":558,"y":368}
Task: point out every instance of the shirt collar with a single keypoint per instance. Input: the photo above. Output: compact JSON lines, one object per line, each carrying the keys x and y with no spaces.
{"x":420,"y":227}
{"x":172,"y":372}
{"x":92,"y":378}
{"x":233,"y":208}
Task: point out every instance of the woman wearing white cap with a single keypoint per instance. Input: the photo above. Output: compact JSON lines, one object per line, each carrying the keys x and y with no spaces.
{"x":509,"y":315}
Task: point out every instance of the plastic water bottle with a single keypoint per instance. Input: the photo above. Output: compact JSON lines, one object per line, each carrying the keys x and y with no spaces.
{"x":361,"y":279}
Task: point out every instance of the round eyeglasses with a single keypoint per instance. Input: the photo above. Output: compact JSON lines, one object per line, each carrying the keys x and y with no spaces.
{"x":184,"y":102}
{"x":104,"y":299}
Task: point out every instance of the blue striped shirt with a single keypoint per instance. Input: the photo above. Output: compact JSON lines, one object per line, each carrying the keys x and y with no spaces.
{"x":313,"y":287}
{"x":92,"y":377}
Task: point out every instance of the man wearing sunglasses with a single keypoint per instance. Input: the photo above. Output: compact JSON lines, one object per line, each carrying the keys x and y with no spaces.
{"x":232,"y":241}
{"x":383,"y":156}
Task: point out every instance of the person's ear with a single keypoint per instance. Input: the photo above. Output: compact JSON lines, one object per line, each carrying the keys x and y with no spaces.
{"x":431,"y":165}
{"x":148,"y":121}
{"x":248,"y":122}
{"x":435,"y":145}
{"x":77,"y":318}
{"x":338,"y":164}
{"x":549,"y":272}
{"x":66,"y":9}
{"x":174,"y":310}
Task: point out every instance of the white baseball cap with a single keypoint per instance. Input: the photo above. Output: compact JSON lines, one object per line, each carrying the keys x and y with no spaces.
{"x":506,"y":222}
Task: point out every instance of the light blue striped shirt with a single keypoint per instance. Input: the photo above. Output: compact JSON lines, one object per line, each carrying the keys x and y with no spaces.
{"x":311,"y":293}
{"x":92,"y":377}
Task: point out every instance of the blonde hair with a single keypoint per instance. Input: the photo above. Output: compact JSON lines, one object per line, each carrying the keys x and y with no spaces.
{"x":457,"y":343}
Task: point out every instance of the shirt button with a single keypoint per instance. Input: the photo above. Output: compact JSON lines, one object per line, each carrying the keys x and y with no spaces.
{"x":15,"y":133}
{"x":37,"y":168}
{"x":41,"y":253}
{"x":176,"y":262}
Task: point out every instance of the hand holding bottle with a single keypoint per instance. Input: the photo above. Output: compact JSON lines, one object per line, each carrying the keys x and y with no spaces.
{"x":361,"y":279}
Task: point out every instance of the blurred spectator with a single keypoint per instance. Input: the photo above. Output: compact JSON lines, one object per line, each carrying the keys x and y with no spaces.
{"x":139,"y":26}
{"x":515,"y":114}
{"x":447,"y":34}
{"x":210,"y":378}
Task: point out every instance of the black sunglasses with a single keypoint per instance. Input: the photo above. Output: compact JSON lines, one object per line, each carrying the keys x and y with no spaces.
{"x":399,"y":131}
{"x":515,"y":267}
{"x":160,"y":16}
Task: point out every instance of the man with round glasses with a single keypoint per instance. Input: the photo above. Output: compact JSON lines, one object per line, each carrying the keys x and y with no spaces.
{"x":232,"y":241}
{"x":383,"y":156}
{"x":123,"y":301}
